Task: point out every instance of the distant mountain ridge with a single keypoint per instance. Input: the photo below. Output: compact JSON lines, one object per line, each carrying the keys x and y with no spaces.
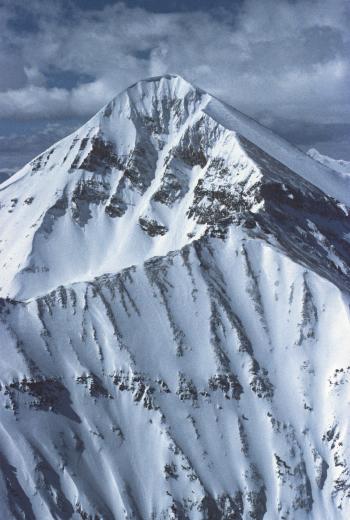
{"x":338,"y":165}
{"x":174,"y":320}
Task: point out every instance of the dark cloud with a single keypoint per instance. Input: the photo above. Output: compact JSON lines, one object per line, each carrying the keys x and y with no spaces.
{"x":20,"y":145}
{"x":277,"y":61}
{"x":331,"y":138}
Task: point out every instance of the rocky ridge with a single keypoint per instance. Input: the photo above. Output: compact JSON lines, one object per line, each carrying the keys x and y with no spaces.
{"x":174,"y":320}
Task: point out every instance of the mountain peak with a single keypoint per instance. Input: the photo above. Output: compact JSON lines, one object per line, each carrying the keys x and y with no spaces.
{"x":160,"y":86}
{"x":146,"y":93}
{"x":162,"y":77}
{"x":174,"y":290}
{"x":161,"y":165}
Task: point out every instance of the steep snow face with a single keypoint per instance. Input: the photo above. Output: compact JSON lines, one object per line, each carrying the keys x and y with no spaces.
{"x":157,"y":165}
{"x":175,"y":320}
{"x":209,"y":383}
{"x":77,"y":207}
{"x":337,"y":165}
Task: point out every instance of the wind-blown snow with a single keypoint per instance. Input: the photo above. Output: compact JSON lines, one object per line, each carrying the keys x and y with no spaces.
{"x":174,"y":320}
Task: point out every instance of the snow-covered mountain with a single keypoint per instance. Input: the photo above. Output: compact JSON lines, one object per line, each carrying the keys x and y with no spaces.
{"x":339,"y":165}
{"x":174,"y":321}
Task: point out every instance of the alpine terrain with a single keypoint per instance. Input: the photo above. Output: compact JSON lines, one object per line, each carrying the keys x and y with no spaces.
{"x":338,"y":165}
{"x":174,"y":320}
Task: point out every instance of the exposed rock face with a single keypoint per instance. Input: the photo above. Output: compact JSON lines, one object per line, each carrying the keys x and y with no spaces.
{"x":152,"y":227}
{"x":174,"y":321}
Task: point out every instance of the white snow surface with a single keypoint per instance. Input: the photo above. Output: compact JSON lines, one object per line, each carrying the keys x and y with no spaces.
{"x":338,"y":165}
{"x":174,"y":320}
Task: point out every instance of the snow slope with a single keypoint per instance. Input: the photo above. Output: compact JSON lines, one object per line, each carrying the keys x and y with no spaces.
{"x":174,"y":320}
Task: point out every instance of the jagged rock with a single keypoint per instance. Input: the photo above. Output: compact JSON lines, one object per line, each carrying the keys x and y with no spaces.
{"x":152,"y":227}
{"x":228,"y":384}
{"x":174,"y":320}
{"x":186,"y":388}
{"x":93,"y":384}
{"x":100,"y":157}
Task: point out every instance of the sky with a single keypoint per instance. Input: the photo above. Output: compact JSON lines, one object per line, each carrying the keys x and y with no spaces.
{"x":284,"y":62}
